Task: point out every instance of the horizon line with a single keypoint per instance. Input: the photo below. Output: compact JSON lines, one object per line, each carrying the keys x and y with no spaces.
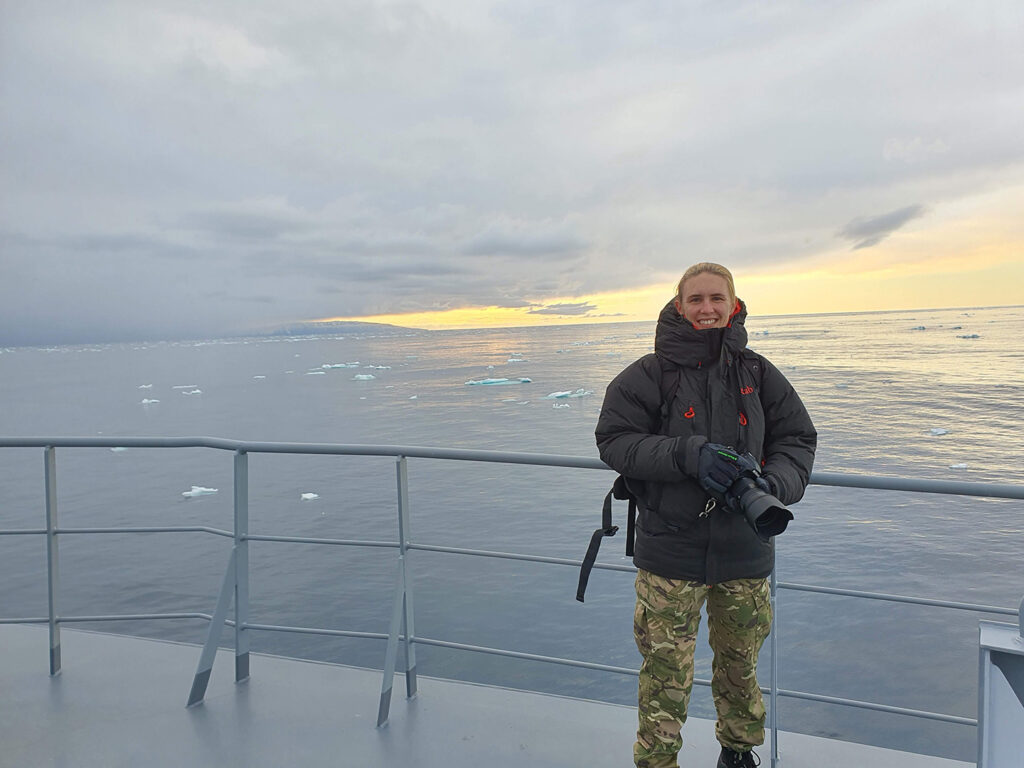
{"x":271,"y":334}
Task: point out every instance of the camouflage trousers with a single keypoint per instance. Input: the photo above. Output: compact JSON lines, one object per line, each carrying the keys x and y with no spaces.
{"x":665,"y":628}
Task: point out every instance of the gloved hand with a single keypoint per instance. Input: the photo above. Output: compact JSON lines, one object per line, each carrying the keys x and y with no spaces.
{"x":718,"y":466}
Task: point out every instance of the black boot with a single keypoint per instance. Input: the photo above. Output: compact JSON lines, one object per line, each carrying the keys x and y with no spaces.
{"x":733,"y":759}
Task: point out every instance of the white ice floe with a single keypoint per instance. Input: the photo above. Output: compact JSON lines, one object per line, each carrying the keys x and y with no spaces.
{"x":184,"y":386}
{"x":561,"y":405}
{"x":958,"y":466}
{"x":316,"y":373}
{"x":118,"y":449}
{"x":363,"y":377}
{"x":378,"y":367}
{"x":192,"y":392}
{"x":198,"y":490}
{"x":569,"y":393}
{"x":498,"y":382}
{"x":147,"y":401}
{"x":259,"y":377}
{"x":938,"y":431}
{"x":414,"y":397}
{"x":517,"y":360}
{"x":145,"y":386}
{"x":309,"y":496}
{"x":340,"y":365}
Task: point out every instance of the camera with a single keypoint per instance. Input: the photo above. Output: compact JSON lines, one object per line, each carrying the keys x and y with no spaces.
{"x":766,"y":514}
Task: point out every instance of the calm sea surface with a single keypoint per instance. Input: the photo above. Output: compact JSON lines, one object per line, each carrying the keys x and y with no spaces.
{"x":929,"y":394}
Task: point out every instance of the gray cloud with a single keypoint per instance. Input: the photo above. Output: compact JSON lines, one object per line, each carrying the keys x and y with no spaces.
{"x":202,"y":169}
{"x":869,"y":231}
{"x":565,"y":309}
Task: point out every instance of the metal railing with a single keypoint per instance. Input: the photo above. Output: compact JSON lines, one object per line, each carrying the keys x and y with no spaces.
{"x":235,"y":584}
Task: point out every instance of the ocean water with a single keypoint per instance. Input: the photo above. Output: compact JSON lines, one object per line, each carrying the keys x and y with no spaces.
{"x":930,"y":394}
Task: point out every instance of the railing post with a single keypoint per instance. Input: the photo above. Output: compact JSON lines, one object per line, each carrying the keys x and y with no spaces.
{"x":401,"y":609}
{"x":774,"y":650}
{"x":52,"y":558}
{"x":241,"y":566}
{"x":402,"y":472}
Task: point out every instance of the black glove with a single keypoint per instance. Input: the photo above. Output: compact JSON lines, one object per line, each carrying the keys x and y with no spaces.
{"x":718,"y":467}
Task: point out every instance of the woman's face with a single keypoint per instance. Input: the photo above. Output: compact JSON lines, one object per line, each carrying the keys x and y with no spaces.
{"x":705,"y":301}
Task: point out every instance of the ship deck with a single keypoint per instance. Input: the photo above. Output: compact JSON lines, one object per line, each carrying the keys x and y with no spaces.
{"x":120,"y":701}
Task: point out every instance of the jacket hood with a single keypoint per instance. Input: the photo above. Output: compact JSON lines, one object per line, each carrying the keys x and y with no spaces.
{"x":678,"y":341}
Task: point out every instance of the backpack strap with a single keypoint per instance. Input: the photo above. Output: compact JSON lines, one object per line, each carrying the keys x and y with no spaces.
{"x":619,"y":491}
{"x":668,"y":385}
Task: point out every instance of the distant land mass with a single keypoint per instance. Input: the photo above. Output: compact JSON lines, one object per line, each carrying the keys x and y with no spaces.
{"x":341,"y":326}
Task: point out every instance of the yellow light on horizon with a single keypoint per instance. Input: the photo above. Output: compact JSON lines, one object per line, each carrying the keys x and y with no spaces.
{"x":915,"y":273}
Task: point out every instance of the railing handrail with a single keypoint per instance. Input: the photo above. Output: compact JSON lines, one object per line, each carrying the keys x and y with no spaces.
{"x":836,"y":479}
{"x":236,"y":576}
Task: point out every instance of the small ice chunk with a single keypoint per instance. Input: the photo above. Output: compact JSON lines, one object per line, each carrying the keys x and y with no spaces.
{"x":569,"y":393}
{"x":309,"y":496}
{"x":561,"y":405}
{"x":958,"y":466}
{"x":192,"y":392}
{"x":147,"y":401}
{"x":490,"y":367}
{"x":486,"y":382}
{"x":525,"y":380}
{"x":518,"y":360}
{"x":145,"y":386}
{"x":918,"y":328}
{"x":842,"y":385}
{"x":316,"y":373}
{"x":378,"y":367}
{"x":184,"y":386}
{"x":363,"y":377}
{"x":259,"y":377}
{"x":414,"y":397}
{"x":198,"y":490}
{"x":938,"y":431}
{"x":969,"y":336}
{"x":119,"y":449}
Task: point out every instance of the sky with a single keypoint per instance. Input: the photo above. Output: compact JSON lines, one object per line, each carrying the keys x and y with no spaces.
{"x":199,"y":169}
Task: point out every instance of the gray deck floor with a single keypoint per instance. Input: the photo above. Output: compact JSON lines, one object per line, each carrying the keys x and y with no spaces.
{"x":120,"y":701}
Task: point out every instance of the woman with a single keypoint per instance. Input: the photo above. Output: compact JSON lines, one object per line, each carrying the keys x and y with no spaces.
{"x":666,"y":424}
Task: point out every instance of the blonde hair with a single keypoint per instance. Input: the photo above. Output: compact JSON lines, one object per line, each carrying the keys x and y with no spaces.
{"x":710,"y":268}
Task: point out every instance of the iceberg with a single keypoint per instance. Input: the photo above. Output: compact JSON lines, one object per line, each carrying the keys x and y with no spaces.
{"x":938,"y":431}
{"x":309,"y":496}
{"x":363,"y":377}
{"x":198,"y":490}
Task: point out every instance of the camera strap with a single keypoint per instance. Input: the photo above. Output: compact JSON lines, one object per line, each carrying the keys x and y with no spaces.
{"x":606,"y":530}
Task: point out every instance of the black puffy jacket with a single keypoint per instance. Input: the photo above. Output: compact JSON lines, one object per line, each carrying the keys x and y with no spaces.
{"x":726,"y":394}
